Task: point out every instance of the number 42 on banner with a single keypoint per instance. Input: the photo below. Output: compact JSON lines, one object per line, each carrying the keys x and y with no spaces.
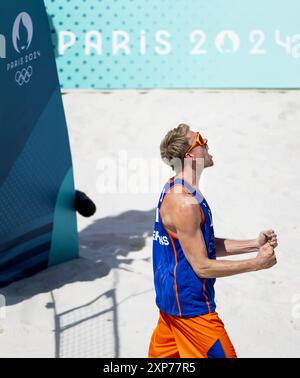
{"x":291,"y":44}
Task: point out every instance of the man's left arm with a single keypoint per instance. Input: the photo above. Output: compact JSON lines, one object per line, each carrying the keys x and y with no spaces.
{"x":228,"y":247}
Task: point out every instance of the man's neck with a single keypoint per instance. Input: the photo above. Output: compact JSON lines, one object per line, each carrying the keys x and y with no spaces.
{"x":190,"y":177}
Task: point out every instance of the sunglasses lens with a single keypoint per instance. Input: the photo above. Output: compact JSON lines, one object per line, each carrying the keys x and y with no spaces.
{"x":201,"y":141}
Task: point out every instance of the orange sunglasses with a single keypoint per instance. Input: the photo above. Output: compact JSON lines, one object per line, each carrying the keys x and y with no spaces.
{"x":198,"y":142}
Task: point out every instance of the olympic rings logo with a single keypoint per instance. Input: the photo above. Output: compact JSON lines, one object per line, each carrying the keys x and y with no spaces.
{"x":23,"y":76}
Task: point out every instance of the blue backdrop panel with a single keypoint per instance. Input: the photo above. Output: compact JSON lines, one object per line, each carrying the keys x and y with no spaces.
{"x":176,"y":44}
{"x":36,"y":177}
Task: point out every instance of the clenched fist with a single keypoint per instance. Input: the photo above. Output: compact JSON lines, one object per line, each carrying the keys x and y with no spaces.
{"x":267,"y":236}
{"x":266,"y":257}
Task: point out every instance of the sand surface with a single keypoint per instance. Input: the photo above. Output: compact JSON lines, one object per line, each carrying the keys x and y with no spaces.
{"x":103,"y":304}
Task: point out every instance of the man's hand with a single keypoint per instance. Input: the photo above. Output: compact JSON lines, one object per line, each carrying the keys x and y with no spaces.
{"x":266,"y":257}
{"x":267,"y":236}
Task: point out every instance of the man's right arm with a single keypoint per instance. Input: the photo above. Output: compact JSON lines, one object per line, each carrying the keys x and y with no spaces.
{"x":186,"y":219}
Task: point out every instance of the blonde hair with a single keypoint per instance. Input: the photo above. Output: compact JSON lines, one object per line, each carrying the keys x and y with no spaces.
{"x":174,"y":145}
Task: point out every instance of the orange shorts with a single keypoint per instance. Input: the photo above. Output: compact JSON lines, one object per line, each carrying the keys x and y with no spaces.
{"x":197,"y":337}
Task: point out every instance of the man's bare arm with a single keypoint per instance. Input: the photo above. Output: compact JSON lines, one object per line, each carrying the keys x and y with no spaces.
{"x":228,"y":247}
{"x":186,"y":219}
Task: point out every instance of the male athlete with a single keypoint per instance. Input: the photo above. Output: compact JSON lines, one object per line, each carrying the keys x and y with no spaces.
{"x":184,"y":257}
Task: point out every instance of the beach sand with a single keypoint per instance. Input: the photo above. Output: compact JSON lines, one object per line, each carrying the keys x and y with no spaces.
{"x":103,"y":304}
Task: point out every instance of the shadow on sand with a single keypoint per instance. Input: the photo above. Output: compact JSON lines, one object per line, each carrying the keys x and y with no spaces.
{"x":101,"y":246}
{"x":90,"y":330}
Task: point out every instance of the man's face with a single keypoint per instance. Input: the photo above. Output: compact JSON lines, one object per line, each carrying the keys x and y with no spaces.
{"x":199,"y":152}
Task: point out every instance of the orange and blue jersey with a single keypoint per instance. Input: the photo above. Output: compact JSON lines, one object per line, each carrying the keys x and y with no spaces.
{"x":179,"y":291}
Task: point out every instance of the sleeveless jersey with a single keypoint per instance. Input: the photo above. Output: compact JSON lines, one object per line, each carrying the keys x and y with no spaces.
{"x":179,"y":291}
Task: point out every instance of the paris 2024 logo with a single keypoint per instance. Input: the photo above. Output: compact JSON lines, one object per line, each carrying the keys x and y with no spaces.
{"x":22,"y":37}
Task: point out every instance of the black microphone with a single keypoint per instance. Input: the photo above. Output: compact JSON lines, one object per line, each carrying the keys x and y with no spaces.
{"x":84,"y":205}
